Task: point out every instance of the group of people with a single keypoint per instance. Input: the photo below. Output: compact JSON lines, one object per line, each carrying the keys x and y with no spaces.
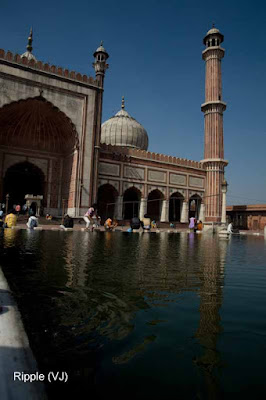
{"x":11,"y":219}
{"x":145,"y":223}
{"x":195,"y":225}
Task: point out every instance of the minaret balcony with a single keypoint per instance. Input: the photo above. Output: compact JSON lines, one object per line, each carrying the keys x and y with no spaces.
{"x":213,"y":106}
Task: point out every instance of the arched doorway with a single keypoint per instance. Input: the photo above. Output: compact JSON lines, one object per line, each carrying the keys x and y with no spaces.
{"x":194,"y":206}
{"x":154,"y":205}
{"x":175,"y":204}
{"x":21,"y":179}
{"x":107,"y":195}
{"x":131,"y":201}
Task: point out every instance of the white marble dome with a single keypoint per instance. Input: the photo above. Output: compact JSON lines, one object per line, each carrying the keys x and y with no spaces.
{"x":123,"y":130}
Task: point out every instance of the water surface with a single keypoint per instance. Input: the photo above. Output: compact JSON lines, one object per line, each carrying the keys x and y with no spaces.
{"x":154,"y":316}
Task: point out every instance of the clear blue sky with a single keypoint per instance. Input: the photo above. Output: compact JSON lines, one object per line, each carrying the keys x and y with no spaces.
{"x":155,"y":62}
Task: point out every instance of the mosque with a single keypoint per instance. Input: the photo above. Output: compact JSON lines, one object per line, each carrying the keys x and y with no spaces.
{"x":55,"y":150}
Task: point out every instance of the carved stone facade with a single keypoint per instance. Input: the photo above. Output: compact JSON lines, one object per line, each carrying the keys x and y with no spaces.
{"x":153,"y":180}
{"x":50,"y":119}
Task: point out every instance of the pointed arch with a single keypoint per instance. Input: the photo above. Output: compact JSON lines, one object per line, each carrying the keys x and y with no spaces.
{"x":154,"y":204}
{"x":36,"y":124}
{"x":131,"y":202}
{"x":175,"y":206}
{"x":23,"y":178}
{"x":106,"y":198}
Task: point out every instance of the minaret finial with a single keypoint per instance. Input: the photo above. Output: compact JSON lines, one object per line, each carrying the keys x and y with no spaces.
{"x":123,"y":103}
{"x":29,"y":46}
{"x":101,"y":43}
{"x":213,"y":25}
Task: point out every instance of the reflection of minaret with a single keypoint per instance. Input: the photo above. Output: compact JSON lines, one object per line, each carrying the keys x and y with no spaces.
{"x":211,"y":275}
{"x":213,"y":109}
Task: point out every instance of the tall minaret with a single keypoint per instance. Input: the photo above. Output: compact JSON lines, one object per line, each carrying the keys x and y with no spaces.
{"x":213,"y":109}
{"x":100,"y":66}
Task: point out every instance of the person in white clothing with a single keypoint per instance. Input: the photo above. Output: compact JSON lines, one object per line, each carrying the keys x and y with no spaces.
{"x":88,"y":216}
{"x":230,"y":228}
{"x":32,"y":222}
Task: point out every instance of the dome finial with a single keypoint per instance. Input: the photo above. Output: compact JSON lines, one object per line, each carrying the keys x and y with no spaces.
{"x":29,"y":46}
{"x":123,"y":103}
{"x":101,"y":43}
{"x":213,"y":25}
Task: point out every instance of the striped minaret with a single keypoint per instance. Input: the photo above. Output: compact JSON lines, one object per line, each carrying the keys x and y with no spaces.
{"x":213,"y":109}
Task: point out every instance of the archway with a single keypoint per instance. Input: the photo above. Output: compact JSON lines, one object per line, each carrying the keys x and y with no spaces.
{"x":194,"y":206}
{"x":131,"y":202}
{"x":21,"y":179}
{"x":154,"y":205}
{"x":35,"y":129}
{"x":175,"y":205}
{"x":107,"y":195}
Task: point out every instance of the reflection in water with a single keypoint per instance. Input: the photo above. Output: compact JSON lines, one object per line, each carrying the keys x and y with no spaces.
{"x":211,"y":275}
{"x":9,"y":237}
{"x":105,"y":305}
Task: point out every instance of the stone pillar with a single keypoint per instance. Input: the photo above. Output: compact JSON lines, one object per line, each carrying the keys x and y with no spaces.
{"x":143,"y":208}
{"x":223,"y":220}
{"x":165,"y":211}
{"x":184,"y":212}
{"x":119,"y":208}
{"x":202,"y":212}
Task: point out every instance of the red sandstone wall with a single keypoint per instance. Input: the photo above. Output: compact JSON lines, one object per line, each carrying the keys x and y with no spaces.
{"x":147,"y":155}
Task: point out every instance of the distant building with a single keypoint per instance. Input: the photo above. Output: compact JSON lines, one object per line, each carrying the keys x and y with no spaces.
{"x":52,"y":144}
{"x":251,"y":216}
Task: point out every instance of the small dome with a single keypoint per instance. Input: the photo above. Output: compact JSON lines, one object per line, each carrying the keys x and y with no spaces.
{"x":212,"y":31}
{"x":123,"y":130}
{"x":101,"y":48}
{"x":28,"y":55}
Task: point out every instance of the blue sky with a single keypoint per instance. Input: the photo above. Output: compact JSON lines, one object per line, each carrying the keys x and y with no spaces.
{"x":155,"y":62}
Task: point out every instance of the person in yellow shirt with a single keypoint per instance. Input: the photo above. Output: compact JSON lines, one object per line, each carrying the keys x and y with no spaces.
{"x":11,"y":219}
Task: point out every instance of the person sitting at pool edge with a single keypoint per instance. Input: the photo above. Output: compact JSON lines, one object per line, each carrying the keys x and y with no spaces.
{"x":68,"y":222}
{"x":11,"y":219}
{"x":200,"y":226}
{"x":108,"y":224}
{"x":32,"y":222}
{"x":135,"y":223}
{"x":146,"y":223}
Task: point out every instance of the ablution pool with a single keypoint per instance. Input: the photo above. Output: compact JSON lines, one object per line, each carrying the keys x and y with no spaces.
{"x":152,"y":315}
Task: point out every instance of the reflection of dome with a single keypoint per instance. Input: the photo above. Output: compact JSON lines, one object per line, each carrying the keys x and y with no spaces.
{"x":123,"y":130}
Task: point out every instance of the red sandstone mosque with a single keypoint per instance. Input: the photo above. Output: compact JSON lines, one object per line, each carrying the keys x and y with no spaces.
{"x":55,"y":149}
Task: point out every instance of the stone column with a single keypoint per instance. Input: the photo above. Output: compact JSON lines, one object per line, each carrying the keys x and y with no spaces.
{"x":223,"y":220}
{"x":202,"y":212}
{"x":143,"y":208}
{"x":119,"y":208}
{"x":165,"y":211}
{"x":184,"y":212}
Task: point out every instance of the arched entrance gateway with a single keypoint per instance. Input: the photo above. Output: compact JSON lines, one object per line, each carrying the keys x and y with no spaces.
{"x":39,"y":151}
{"x":131,"y":202}
{"x":107,"y":196}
